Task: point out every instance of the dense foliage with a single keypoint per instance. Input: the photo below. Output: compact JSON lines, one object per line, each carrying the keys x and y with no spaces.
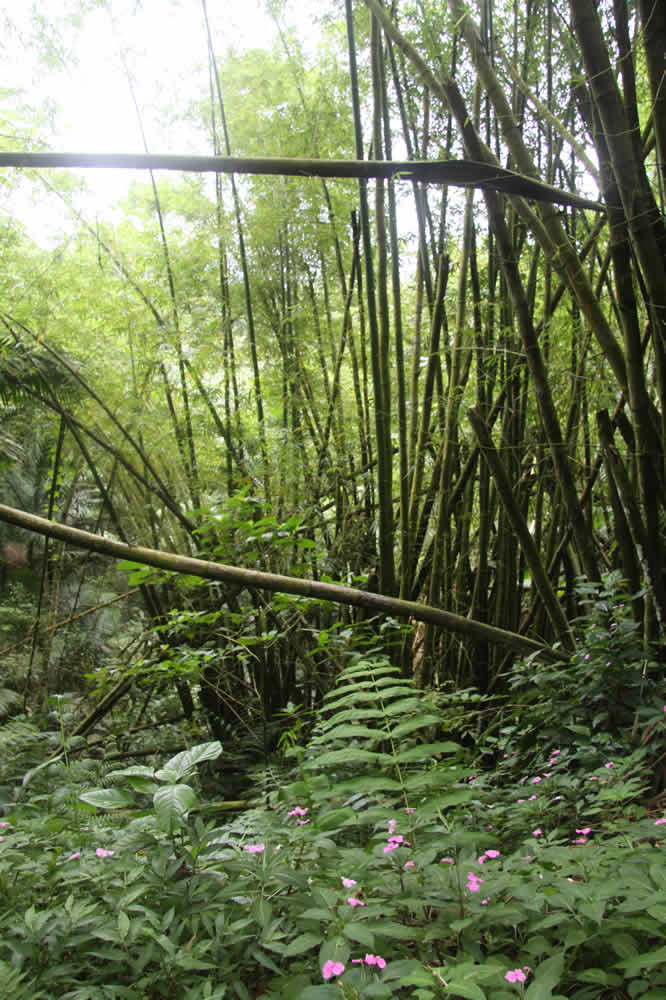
{"x":449,"y":394}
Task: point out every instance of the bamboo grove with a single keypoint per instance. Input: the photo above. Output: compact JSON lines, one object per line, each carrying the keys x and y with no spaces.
{"x":448,"y":394}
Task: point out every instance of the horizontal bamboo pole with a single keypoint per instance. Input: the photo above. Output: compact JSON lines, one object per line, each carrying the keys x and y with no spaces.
{"x":457,"y":173}
{"x":241,"y":577}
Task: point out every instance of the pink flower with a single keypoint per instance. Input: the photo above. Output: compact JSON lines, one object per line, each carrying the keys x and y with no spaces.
{"x":302,"y":822}
{"x":484,"y":902}
{"x":515,"y":976}
{"x":101,"y":852}
{"x":408,"y":864}
{"x":395,"y":842}
{"x":521,"y":800}
{"x":537,"y":832}
{"x":370,"y":960}
{"x":609,"y":764}
{"x":492,"y":854}
{"x":353,"y":901}
{"x":348,"y":882}
{"x":658,"y":822}
{"x":409,"y":810}
{"x":579,"y":840}
{"x":298,"y":811}
{"x":253,"y":848}
{"x":392,"y":825}
{"x":535,"y":781}
{"x":77,"y":854}
{"x":531,"y":798}
{"x":585,"y":830}
{"x":473,"y":882}
{"x":447,"y":861}
{"x":332,"y":969}
{"x":4,"y":823}
{"x":592,"y":779}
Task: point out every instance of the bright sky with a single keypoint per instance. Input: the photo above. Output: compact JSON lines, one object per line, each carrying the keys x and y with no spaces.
{"x":164,"y":45}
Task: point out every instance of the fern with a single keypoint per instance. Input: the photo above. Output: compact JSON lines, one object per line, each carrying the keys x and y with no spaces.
{"x":375,"y":742}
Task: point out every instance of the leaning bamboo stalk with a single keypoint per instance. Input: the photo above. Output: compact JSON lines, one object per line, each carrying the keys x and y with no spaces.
{"x":248,"y":578}
{"x":456,"y":173}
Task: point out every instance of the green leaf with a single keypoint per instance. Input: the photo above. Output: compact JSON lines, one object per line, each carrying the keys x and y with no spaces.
{"x":108,"y":798}
{"x":302,"y":943}
{"x":184,"y":763}
{"x":460,"y":988}
{"x":418,"y":722}
{"x":335,"y":818}
{"x":360,"y":933}
{"x":172,"y":804}
{"x":624,"y":945}
{"x":350,"y":731}
{"x":645,"y":961}
{"x":262,"y":912}
{"x":392,"y":929}
{"x":380,"y":783}
{"x":123,"y":925}
{"x":349,"y":755}
{"x":441,"y":802}
{"x":329,"y":991}
{"x":426,"y":750}
{"x":547,"y":976}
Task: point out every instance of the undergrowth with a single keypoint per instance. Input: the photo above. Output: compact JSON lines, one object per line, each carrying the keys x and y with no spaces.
{"x":390,"y":861}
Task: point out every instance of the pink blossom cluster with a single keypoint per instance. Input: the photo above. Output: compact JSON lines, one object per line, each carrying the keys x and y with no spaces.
{"x":332,"y":969}
{"x":299,"y":811}
{"x":517,"y":975}
{"x":370,"y":960}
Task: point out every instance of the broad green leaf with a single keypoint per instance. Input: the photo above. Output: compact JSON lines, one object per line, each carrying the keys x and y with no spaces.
{"x":123,"y":925}
{"x":362,"y":785}
{"x":108,"y":798}
{"x":355,"y":733}
{"x":411,"y":725}
{"x":352,"y":754}
{"x":547,"y":976}
{"x":392,"y":929}
{"x":137,"y":770}
{"x":302,"y":943}
{"x":460,"y":988}
{"x":335,"y":818}
{"x":645,"y":961}
{"x":262,"y":912}
{"x":623,"y":945}
{"x":441,"y":802}
{"x":185,"y":762}
{"x":172,"y":804}
{"x":360,"y":933}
